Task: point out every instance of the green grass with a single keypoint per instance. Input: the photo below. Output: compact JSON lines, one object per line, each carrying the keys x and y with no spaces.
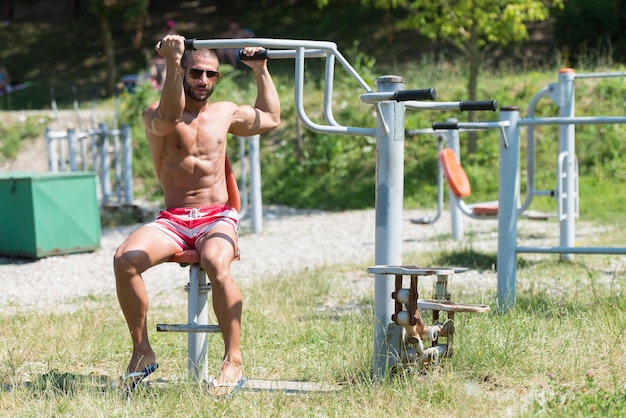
{"x":559,"y":352}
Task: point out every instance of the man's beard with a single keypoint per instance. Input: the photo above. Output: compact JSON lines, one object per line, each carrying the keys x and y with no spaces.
{"x":198,"y":97}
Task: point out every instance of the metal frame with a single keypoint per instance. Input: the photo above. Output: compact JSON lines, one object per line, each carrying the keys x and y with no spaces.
{"x":255,"y":205}
{"x":390,"y":102}
{"x":197,"y":325}
{"x":458,"y":207}
{"x":566,"y":190}
{"x":58,"y":142}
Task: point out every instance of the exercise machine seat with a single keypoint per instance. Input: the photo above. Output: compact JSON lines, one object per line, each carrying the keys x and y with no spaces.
{"x":459,"y":183}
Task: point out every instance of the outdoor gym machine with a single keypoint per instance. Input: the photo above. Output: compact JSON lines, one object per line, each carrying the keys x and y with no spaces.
{"x":566,"y":189}
{"x":390,"y":102}
{"x":448,"y":140}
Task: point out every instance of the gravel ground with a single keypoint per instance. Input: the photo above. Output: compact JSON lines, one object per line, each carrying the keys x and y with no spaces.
{"x":289,"y":241}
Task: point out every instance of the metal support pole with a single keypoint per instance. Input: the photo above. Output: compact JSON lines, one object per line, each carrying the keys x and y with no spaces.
{"x":567,"y":189}
{"x":83,"y":150}
{"x":53,"y":162}
{"x":452,"y":138}
{"x":508,"y":186}
{"x":62,"y":153}
{"x":243,"y":182}
{"x":127,"y":160}
{"x":103,"y":146}
{"x":71,"y":148}
{"x":94,"y":151}
{"x":117,"y":164}
{"x":388,"y":237}
{"x":197,"y":314}
{"x":256,"y":199}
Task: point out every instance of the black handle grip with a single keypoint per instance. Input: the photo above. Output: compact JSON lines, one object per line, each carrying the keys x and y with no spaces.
{"x":421,"y":94}
{"x":445,"y":125}
{"x":189,"y":44}
{"x":479,"y":105}
{"x":261,"y":54}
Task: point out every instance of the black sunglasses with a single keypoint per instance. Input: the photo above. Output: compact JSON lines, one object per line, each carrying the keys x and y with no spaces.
{"x":196,"y":73}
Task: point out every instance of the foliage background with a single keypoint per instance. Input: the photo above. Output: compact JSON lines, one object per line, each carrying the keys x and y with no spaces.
{"x":337,"y":172}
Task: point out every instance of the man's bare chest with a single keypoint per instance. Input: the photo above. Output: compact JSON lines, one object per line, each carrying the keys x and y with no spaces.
{"x":199,"y":138}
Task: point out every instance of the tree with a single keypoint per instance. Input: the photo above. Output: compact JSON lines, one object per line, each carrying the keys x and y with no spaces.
{"x":472,"y":26}
{"x":108,"y":12}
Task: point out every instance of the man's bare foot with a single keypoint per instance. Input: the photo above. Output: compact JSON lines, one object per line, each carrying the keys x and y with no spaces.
{"x":228,"y":381}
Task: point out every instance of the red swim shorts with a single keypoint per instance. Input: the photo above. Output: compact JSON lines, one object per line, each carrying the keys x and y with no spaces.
{"x":186,"y":225}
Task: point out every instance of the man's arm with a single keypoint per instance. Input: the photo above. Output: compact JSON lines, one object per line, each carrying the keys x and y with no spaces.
{"x":265,"y":115}
{"x":161,"y":119}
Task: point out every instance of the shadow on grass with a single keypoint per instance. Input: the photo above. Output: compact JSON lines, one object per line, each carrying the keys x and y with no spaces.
{"x":474,"y":260}
{"x":58,"y":383}
{"x":468,"y":258}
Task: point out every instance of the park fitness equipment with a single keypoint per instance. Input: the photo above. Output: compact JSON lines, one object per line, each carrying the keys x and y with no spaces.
{"x":460,"y":186}
{"x":407,"y":305}
{"x":449,"y":168}
{"x":566,"y":189}
{"x":253,"y":205}
{"x":427,"y":220}
{"x":390,"y":101}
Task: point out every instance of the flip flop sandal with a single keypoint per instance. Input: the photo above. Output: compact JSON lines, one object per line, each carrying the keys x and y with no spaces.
{"x":132,"y":380}
{"x":234,"y":386}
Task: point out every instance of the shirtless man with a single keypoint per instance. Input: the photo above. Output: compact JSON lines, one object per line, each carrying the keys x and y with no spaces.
{"x":187,"y":138}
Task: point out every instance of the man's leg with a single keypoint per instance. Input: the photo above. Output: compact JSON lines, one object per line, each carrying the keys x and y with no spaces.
{"x":141,"y":250}
{"x":218,"y":249}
